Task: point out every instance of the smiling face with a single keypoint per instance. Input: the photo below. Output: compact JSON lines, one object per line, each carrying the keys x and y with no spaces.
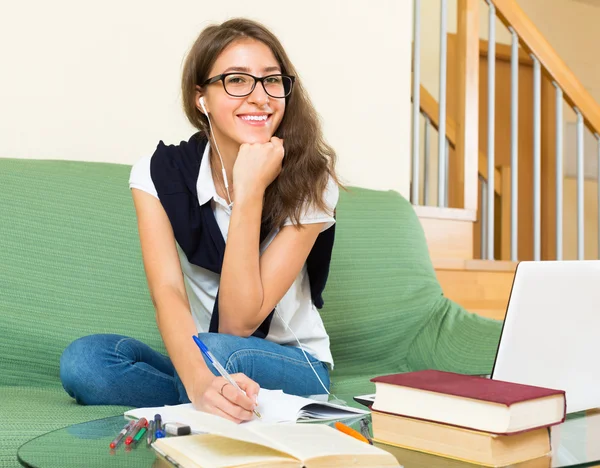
{"x":249,"y":119}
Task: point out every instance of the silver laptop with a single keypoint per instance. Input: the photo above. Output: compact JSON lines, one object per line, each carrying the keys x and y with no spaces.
{"x":551,"y":333}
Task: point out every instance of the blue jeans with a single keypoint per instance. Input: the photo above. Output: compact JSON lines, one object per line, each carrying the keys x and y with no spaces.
{"x":117,"y":370}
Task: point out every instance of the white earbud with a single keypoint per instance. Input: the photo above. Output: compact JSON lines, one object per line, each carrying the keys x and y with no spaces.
{"x":201,"y":101}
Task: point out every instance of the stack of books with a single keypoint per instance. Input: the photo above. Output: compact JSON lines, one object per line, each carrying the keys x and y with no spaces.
{"x":467,"y":418}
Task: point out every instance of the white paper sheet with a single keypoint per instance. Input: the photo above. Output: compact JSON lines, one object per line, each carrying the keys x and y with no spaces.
{"x":275,"y":406}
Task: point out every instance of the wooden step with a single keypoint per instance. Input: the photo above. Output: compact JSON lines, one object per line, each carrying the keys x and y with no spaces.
{"x":449,"y":231}
{"x":473,"y":264}
{"x":480,"y":286}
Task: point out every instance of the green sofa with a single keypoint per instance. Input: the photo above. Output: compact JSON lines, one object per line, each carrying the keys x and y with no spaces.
{"x":71,"y":266}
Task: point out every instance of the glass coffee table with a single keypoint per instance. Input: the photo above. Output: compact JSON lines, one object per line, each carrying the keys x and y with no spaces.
{"x":86,"y":445}
{"x":575,"y":443}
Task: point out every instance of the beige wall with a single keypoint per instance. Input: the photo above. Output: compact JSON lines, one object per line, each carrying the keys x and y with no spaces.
{"x":99,"y":81}
{"x":572,"y":28}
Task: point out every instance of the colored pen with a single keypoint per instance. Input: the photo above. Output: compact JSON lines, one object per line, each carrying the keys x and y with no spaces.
{"x":158,"y":430}
{"x":351,"y":432}
{"x":220,"y":369}
{"x":139,"y":436}
{"x":121,"y":434}
{"x":142,"y":422}
{"x":150,"y":434}
{"x":364,"y":430}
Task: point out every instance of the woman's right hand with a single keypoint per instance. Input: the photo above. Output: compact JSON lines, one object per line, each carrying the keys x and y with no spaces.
{"x":257,"y":166}
{"x":221,"y":398}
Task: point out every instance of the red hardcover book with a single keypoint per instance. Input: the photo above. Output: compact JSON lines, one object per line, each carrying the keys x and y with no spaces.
{"x":468,"y":401}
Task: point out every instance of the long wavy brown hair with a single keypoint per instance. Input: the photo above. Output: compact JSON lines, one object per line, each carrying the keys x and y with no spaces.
{"x":308,"y":162}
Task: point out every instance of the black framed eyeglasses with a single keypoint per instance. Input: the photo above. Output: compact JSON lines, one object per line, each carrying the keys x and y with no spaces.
{"x":242,"y":84}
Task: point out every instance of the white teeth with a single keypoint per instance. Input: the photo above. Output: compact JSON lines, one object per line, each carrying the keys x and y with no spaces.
{"x":253,"y":117}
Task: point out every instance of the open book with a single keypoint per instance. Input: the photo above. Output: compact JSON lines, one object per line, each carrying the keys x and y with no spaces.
{"x":274,"y":406}
{"x":258,"y":445}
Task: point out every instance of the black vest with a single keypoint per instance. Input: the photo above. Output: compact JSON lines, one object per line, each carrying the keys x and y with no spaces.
{"x":174,"y":171}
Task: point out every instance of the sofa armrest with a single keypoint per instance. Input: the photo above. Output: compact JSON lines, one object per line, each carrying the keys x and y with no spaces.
{"x":454,"y":340}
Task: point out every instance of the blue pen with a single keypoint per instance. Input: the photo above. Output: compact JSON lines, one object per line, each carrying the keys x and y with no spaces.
{"x":220,"y":369}
{"x":158,"y":430}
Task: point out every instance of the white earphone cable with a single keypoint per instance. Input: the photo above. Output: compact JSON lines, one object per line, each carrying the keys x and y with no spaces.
{"x":225,"y":181}
{"x":335,"y":399}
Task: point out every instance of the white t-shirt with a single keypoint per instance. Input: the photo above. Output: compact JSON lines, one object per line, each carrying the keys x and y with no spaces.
{"x":296,"y":306}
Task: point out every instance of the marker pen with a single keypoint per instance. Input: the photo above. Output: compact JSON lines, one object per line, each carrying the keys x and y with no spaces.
{"x":142,"y":422}
{"x":121,"y":434}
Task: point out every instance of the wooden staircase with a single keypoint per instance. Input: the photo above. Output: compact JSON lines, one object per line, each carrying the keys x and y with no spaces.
{"x":525,"y":165}
{"x":480,"y":286}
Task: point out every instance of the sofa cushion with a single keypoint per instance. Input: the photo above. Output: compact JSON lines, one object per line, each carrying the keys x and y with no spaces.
{"x":71,"y":264}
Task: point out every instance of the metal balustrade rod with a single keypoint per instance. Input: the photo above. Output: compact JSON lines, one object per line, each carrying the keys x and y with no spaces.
{"x":491,"y":161}
{"x":447,"y":162}
{"x":514,"y":145}
{"x":559,"y":172}
{"x":416,"y":99}
{"x":483,"y":219}
{"x":426,"y":161}
{"x":580,"y":187}
{"x":598,"y":180}
{"x":442,"y":104}
{"x":537,"y":158}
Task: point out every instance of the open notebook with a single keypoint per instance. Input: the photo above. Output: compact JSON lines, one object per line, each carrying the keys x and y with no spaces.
{"x":275,"y":406}
{"x":263,"y":445}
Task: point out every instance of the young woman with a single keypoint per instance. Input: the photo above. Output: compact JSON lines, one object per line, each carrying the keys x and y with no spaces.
{"x":236,"y":228}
